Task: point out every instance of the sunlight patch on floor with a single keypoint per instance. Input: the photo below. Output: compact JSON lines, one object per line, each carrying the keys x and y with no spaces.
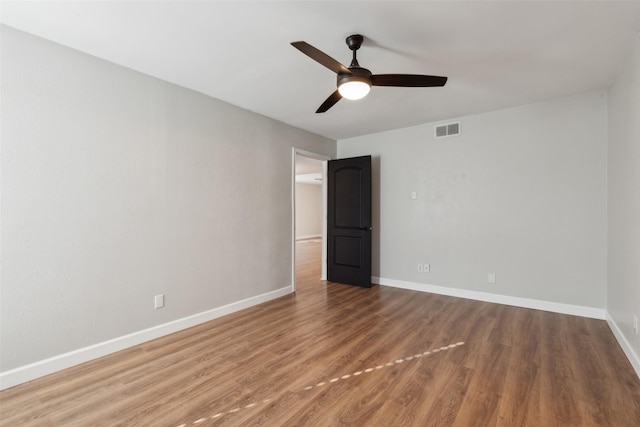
{"x":323,"y":383}
{"x":395,"y":362}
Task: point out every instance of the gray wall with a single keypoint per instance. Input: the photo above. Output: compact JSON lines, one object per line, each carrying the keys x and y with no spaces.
{"x":308,"y":210}
{"x":623,"y":291}
{"x":116,"y":187}
{"x":520,"y":193}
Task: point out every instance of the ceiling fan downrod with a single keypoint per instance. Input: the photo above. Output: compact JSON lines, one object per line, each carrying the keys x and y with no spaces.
{"x":354,"y":42}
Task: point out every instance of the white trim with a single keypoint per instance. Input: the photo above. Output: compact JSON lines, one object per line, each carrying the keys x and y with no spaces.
{"x":296,"y":151}
{"x":325,"y":189}
{"x":626,"y":346}
{"x":555,"y":307}
{"x":293,"y":220}
{"x":63,"y":361}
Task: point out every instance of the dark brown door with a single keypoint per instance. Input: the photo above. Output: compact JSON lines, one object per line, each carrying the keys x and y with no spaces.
{"x":349,"y":221}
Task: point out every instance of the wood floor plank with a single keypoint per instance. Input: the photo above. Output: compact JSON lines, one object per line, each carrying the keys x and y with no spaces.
{"x":337,"y":355}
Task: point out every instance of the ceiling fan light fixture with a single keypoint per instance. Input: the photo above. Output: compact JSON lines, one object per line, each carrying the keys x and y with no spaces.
{"x":354,"y":89}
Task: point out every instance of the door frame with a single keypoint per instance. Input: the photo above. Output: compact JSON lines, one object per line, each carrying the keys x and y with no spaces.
{"x":297,"y":151}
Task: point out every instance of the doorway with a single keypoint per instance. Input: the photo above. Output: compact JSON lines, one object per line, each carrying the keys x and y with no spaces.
{"x":309,"y":206}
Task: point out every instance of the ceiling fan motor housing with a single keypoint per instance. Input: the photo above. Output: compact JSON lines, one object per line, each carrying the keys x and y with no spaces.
{"x":358,"y":74}
{"x":355,"y":84}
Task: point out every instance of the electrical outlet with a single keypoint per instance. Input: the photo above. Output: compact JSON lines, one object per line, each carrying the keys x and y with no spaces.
{"x":159,"y":301}
{"x":427,"y":268}
{"x":492,"y":278}
{"x":635,"y":323}
{"x":420,"y":268}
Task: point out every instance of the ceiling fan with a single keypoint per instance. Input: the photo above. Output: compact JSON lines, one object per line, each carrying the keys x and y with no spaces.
{"x":355,"y":82}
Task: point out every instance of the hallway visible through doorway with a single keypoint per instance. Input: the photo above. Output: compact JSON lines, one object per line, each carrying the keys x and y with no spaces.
{"x":308,"y":263}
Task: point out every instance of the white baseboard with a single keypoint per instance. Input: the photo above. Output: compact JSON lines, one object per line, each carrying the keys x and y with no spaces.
{"x":626,"y":347}
{"x":576,"y":310}
{"x":57,"y":363}
{"x":310,"y":236}
{"x":555,"y":307}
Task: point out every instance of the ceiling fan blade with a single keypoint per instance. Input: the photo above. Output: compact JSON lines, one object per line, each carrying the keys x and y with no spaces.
{"x":329,"y":102}
{"x":321,"y":57}
{"x":407,"y":80}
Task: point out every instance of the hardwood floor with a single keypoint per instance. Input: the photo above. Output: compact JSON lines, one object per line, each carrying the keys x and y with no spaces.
{"x":336,"y":355}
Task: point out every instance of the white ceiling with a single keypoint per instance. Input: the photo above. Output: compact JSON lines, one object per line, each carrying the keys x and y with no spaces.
{"x":496,"y":54}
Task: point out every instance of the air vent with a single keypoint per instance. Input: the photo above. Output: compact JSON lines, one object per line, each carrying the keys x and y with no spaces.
{"x":448,"y":130}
